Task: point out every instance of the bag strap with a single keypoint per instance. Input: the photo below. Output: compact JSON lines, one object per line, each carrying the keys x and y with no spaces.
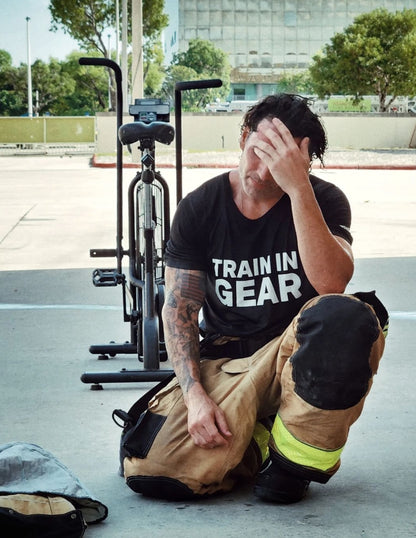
{"x":380,"y":310}
{"x":141,"y":405}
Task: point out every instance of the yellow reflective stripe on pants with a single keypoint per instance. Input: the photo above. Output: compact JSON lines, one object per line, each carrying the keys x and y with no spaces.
{"x":300,"y":453}
{"x":262,"y":436}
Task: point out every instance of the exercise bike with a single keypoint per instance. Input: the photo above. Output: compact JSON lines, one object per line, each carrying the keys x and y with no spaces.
{"x":148,"y":232}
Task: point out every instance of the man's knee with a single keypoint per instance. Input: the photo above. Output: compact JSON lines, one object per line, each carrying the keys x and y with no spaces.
{"x":331,"y":368}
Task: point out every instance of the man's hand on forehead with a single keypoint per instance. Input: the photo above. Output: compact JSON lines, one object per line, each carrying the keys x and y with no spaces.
{"x":286,"y":157}
{"x":268,"y":128}
{"x":274,"y":136}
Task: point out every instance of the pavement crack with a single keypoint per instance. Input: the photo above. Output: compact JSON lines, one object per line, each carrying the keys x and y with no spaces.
{"x":17,"y":223}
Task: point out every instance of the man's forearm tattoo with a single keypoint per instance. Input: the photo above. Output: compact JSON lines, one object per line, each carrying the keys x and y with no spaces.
{"x":186,"y":292}
{"x":192,"y":288}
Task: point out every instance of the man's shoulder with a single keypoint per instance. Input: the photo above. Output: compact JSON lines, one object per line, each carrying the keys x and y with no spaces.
{"x":320,"y":183}
{"x":208,"y":195}
{"x":212,"y":186}
{"x":325,"y":188}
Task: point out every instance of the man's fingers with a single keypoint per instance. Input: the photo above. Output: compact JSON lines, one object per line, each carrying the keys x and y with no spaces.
{"x":214,"y":437}
{"x":213,"y":434}
{"x":222,"y":424}
{"x":205,"y":440}
{"x":283,"y":131}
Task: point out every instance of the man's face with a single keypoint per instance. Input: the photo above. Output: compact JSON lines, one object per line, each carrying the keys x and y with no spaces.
{"x":255,"y":176}
{"x":256,"y":179}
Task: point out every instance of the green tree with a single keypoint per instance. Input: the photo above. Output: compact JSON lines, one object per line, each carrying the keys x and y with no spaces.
{"x":154,"y":19}
{"x":179,"y":73}
{"x":374,"y":55}
{"x":153,"y":72}
{"x":299,"y":83}
{"x":203,"y":57}
{"x":87,"y":21}
{"x":59,"y":88}
{"x":90,"y":93}
{"x":51,"y":84}
{"x":201,"y":61}
{"x":13,"y":84}
{"x":5,"y":60}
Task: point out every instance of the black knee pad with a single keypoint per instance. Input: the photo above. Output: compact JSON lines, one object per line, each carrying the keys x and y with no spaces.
{"x":331,"y":367}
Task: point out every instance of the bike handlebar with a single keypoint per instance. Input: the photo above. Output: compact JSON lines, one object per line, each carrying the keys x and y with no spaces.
{"x":180,"y":87}
{"x":106,"y":62}
{"x":198,"y":84}
{"x":84,"y":60}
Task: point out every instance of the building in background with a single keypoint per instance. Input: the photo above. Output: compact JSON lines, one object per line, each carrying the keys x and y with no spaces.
{"x":264,"y":38}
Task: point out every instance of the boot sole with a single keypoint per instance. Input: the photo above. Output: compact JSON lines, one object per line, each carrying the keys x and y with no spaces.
{"x":281,"y":497}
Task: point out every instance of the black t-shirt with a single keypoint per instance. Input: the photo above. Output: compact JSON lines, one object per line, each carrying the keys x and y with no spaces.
{"x":255,"y":279}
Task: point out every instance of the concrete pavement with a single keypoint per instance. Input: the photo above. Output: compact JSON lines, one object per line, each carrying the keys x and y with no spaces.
{"x":52,"y":211}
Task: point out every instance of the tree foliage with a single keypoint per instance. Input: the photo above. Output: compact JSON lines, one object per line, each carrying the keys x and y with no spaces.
{"x":67,"y":88}
{"x":90,"y":92}
{"x":88,"y":21}
{"x":84,"y":20}
{"x":203,"y":57}
{"x":299,"y":83}
{"x":374,"y":55}
{"x":153,"y":72}
{"x":5,"y":60}
{"x":12,"y":84}
{"x":51,"y":84}
{"x":59,"y":88}
{"x":202,"y":60}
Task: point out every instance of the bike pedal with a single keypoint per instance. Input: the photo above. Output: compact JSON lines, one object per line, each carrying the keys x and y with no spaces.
{"x":103,"y":253}
{"x":106,"y":277}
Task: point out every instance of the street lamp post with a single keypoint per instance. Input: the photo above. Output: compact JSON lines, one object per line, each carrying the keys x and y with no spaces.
{"x":137,"y":49}
{"x":29,"y":73}
{"x":117,"y":32}
{"x":109,"y":76}
{"x":124,"y":56}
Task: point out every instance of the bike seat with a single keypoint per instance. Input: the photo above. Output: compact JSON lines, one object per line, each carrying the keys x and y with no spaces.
{"x":157,"y":130}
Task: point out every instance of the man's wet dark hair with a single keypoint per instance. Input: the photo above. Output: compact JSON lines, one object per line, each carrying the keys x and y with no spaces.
{"x":294,"y":112}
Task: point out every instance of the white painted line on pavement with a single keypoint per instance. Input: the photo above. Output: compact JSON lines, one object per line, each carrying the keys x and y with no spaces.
{"x":12,"y":306}
{"x":399,"y":314}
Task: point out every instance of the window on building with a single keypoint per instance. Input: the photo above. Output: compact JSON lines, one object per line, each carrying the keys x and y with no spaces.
{"x":290,"y":18}
{"x":239,"y":94}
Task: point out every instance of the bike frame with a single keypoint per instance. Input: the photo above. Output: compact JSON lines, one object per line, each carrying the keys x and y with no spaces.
{"x":149,"y":228}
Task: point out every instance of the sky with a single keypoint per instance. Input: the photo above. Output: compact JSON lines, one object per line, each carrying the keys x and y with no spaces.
{"x":43,"y":43}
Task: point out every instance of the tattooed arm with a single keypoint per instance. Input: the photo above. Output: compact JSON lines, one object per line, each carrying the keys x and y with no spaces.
{"x":185,"y":292}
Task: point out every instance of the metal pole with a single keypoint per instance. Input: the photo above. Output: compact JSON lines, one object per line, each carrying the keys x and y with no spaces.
{"x":178,"y":142}
{"x":180,"y":87}
{"x":29,"y":73}
{"x":137,"y":49}
{"x":117,"y":32}
{"x":109,"y":76}
{"x":124,"y":24}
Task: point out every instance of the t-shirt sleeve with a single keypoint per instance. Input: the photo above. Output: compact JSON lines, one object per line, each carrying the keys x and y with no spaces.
{"x":335,"y":209}
{"x":184,"y":248}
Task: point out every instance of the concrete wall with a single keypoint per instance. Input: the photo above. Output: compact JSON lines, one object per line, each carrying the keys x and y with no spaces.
{"x":202,"y":132}
{"x":371,"y":132}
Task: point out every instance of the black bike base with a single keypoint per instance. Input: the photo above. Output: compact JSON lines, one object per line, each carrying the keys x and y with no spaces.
{"x":125,"y":376}
{"x":113,"y":349}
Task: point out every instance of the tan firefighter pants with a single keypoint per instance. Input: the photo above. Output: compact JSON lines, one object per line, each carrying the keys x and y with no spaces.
{"x":313,"y":380}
